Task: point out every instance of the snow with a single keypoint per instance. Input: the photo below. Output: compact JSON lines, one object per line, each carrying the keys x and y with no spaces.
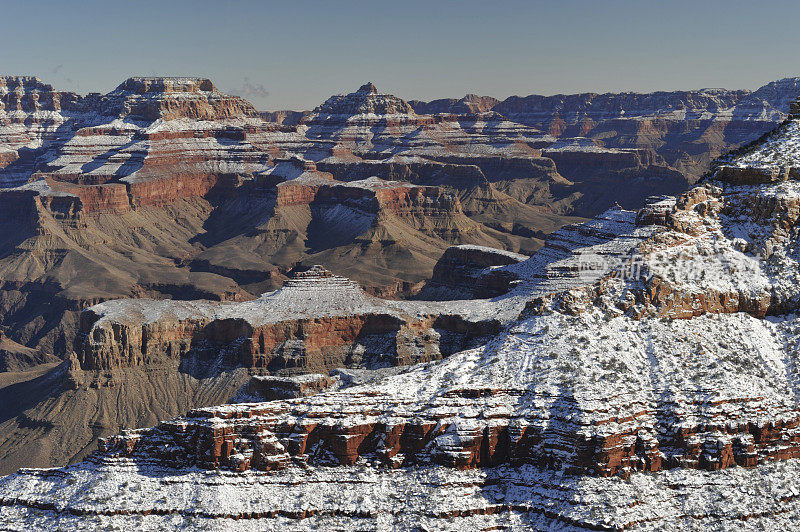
{"x":780,"y":149}
{"x":579,"y":144}
{"x":375,"y":183}
{"x":510,"y":254}
{"x":578,"y":255}
{"x":299,"y":299}
{"x":41,"y":187}
{"x":128,"y":496}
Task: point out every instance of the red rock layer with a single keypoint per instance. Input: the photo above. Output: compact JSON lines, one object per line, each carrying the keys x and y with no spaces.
{"x":271,"y":435}
{"x":325,"y":342}
{"x":171,"y":98}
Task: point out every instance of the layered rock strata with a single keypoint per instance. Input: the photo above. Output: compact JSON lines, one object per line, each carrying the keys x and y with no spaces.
{"x":152,"y":497}
{"x":270,"y":387}
{"x":316,"y":322}
{"x":166,"y":188}
{"x":78,"y":172}
{"x":654,"y":366}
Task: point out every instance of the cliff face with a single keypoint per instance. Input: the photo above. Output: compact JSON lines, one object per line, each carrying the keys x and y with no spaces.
{"x":469,"y":104}
{"x":571,"y":108}
{"x":181,"y":134}
{"x":145,"y":188}
{"x":135,"y":351}
{"x":16,"y":357}
{"x":150,"y":99}
{"x":608,"y":146}
{"x":365,"y":101}
{"x":316,"y":322}
{"x":470,"y":271}
{"x":29,"y":94}
{"x":165,"y":143}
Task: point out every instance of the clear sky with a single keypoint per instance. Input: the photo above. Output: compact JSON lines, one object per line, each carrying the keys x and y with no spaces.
{"x":293,"y":54}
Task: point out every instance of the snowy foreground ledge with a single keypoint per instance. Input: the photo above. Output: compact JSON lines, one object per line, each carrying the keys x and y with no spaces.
{"x":124,"y":495}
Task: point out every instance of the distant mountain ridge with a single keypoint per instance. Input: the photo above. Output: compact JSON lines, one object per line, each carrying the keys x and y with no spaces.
{"x":766,"y":103}
{"x":688,"y":128}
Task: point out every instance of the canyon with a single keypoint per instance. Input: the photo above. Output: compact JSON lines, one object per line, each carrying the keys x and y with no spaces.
{"x":632,"y":373}
{"x":168,"y":188}
{"x":570,"y":311}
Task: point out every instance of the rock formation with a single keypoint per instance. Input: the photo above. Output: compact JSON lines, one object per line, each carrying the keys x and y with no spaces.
{"x":269,"y":388}
{"x":167,"y":189}
{"x":469,"y":104}
{"x":145,"y":188}
{"x":687,"y":129}
{"x":173,"y":355}
{"x":316,"y":322}
{"x":471,"y":272}
{"x":16,"y":357}
{"x":646,"y":365}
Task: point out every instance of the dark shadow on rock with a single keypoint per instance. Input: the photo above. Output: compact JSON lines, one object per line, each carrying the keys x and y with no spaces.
{"x":16,"y":398}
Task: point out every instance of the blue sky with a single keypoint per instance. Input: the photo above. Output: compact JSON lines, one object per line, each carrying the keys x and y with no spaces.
{"x":294,"y":54}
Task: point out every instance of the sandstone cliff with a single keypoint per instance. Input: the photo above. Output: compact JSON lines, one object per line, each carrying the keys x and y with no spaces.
{"x":316,"y":322}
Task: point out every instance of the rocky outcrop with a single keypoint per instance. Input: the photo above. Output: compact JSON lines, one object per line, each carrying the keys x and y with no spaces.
{"x":150,"y":99}
{"x":347,"y":497}
{"x":315,"y":323}
{"x":365,"y":101}
{"x":285,"y":117}
{"x":688,"y":129}
{"x":272,"y":388}
{"x":750,"y":175}
{"x":469,"y":104}
{"x":16,"y":357}
{"x":417,"y":171}
{"x":467,"y":271}
{"x":30,"y":95}
{"x":271,"y":436}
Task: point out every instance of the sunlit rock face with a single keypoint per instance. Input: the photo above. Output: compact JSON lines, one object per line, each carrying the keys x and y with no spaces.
{"x":172,"y":98}
{"x":688,"y":129}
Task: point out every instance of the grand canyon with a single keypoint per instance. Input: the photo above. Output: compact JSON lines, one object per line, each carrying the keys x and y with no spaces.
{"x":544,"y":312}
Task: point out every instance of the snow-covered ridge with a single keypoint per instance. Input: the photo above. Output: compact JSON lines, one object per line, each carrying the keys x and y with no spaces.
{"x":511,"y":255}
{"x":780,"y":149}
{"x":314,"y":294}
{"x":770,"y":102}
{"x":166,"y":84}
{"x":578,"y":144}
